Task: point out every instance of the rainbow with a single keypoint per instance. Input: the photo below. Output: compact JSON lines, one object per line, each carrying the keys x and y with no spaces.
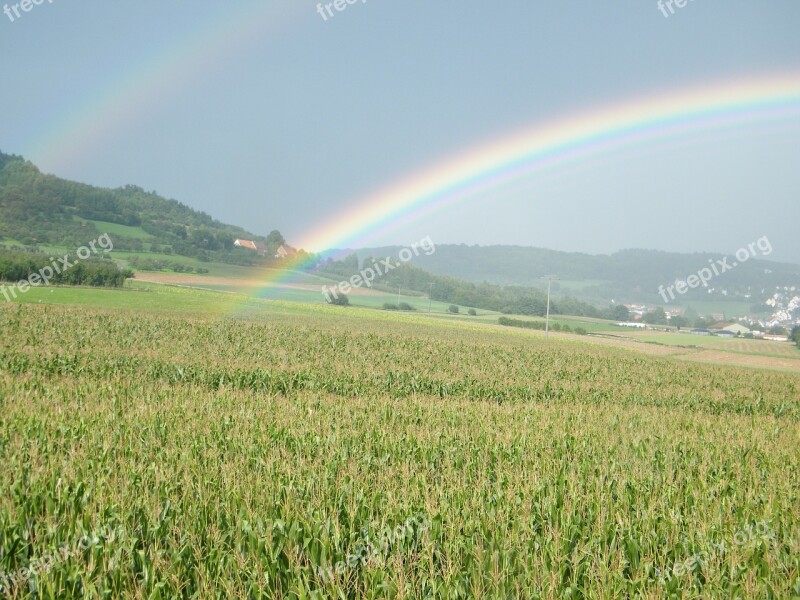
{"x":80,"y":128}
{"x":720,"y":107}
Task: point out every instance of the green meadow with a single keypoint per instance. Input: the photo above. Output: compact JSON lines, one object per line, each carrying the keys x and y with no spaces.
{"x":115,"y":229}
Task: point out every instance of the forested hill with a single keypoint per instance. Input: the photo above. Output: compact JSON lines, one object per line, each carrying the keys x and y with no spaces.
{"x":38,"y":209}
{"x":628,"y":275}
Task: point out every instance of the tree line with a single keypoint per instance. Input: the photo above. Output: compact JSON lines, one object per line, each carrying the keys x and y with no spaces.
{"x":540,"y":325}
{"x":505,"y":299}
{"x":98,"y":272}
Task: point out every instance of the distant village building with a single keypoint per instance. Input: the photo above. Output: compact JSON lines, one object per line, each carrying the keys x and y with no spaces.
{"x":637,"y":310}
{"x":732,"y":328}
{"x":724,"y":333}
{"x":738,"y":329}
{"x":776,"y":338}
{"x":285,"y":251}
{"x":251,"y":245}
{"x":245,"y":244}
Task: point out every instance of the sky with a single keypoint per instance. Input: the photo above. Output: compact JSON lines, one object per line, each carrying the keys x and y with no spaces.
{"x":280,"y":115}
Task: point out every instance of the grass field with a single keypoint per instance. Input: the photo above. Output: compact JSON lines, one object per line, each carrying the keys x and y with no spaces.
{"x":675,"y":339}
{"x":727,"y":308}
{"x":201,"y":294}
{"x":739,"y":345}
{"x":307,"y":288}
{"x":164,"y":442}
{"x":115,"y":229}
{"x":761,"y":347}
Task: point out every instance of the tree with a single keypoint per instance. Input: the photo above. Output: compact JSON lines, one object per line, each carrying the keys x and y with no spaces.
{"x":679,"y":321}
{"x":453,"y":309}
{"x":339,"y":300}
{"x":275,"y":238}
{"x":225,"y":240}
{"x":702,"y":323}
{"x":350,"y":263}
{"x":690,"y":315}
{"x":203,"y":237}
{"x":274,"y":241}
{"x":796,"y":335}
{"x":472,"y":313}
{"x":657,"y":317}
{"x":619,"y":312}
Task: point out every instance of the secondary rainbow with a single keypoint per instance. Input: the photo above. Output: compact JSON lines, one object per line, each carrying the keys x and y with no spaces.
{"x":78,"y":130}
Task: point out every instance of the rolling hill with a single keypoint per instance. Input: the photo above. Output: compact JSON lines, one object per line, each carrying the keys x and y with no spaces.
{"x":43,"y":210}
{"x":626,"y":276}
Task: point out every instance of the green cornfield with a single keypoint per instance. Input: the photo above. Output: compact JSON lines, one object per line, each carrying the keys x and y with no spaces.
{"x":355,"y":454}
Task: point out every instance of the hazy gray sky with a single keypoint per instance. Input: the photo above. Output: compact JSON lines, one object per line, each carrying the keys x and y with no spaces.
{"x":276,"y":118}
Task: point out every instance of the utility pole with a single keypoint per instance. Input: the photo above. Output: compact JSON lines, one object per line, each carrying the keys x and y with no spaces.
{"x":550,"y":279}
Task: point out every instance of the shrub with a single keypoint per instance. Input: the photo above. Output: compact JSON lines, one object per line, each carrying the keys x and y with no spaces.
{"x":471,"y":312}
{"x":580,"y":331}
{"x":390,"y":306}
{"x":453,"y":309}
{"x":340,"y":300}
{"x":405,"y":306}
{"x":520,"y":323}
{"x":100,"y":272}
